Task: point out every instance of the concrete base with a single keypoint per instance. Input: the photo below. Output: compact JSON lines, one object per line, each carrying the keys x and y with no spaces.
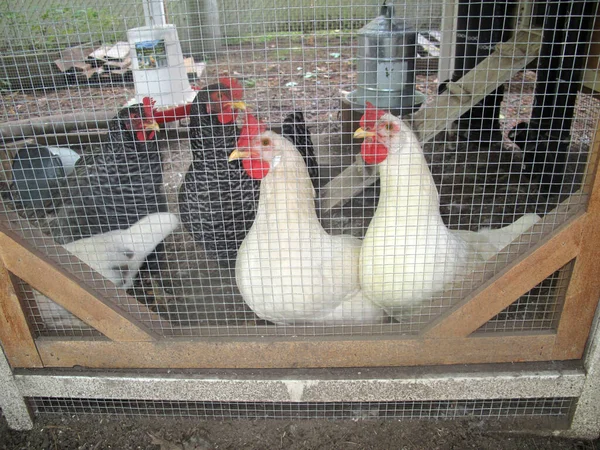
{"x":12,"y":403}
{"x":586,"y":419}
{"x":547,"y":380}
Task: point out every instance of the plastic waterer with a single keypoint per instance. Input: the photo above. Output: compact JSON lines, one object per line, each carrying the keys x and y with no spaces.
{"x":158,"y":68}
{"x":38,"y":172}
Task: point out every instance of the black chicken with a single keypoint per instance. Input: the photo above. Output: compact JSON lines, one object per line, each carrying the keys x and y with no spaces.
{"x":217,"y":200}
{"x":294,"y":129}
{"x":117,"y":184}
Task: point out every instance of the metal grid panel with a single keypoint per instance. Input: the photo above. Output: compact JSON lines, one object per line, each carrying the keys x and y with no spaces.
{"x":539,"y":309}
{"x":292,"y":57}
{"x":50,"y":319}
{"x":447,"y":409}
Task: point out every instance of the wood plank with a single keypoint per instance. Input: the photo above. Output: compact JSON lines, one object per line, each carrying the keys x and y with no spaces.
{"x":65,"y":290}
{"x":73,"y":139}
{"x":119,"y":51}
{"x":32,"y":239}
{"x":583,"y":292}
{"x":355,"y":178}
{"x":73,"y":57}
{"x":61,"y":123}
{"x":16,"y":336}
{"x":34,"y":257}
{"x":518,"y":279}
{"x":321,"y":351}
{"x":99,"y":53}
{"x":508,"y":58}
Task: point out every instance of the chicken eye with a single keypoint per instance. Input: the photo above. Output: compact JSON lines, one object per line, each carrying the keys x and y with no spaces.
{"x":389,"y":126}
{"x":265,"y":141}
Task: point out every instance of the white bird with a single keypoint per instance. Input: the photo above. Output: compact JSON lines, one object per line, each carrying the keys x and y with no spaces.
{"x":288,"y":269}
{"x":117,"y":255}
{"x":408,"y":254}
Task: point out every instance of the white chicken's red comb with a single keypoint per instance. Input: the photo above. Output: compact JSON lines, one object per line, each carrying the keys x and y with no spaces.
{"x":237,"y":91}
{"x":370,"y":117}
{"x":252,"y":127}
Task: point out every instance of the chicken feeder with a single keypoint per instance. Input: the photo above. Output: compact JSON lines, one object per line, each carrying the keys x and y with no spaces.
{"x":38,"y":171}
{"x":386,"y":65}
{"x":158,"y":66}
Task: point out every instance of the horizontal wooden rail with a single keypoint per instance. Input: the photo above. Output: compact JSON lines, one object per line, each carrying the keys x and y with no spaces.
{"x":319,"y":351}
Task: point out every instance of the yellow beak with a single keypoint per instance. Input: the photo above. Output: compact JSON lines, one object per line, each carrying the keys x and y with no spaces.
{"x":361,"y":134}
{"x":238,"y":106}
{"x":152,"y":126}
{"x":239,"y":154}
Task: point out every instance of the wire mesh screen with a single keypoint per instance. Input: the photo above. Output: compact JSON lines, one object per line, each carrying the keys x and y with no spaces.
{"x":556,"y":408}
{"x":293,"y":167}
{"x":539,"y":309}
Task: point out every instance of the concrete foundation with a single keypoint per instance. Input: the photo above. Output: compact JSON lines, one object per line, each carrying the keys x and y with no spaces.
{"x":12,"y":403}
{"x":579,"y":379}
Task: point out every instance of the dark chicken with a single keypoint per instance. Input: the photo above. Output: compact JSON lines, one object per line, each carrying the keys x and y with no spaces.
{"x":294,"y":129}
{"x":117,"y":184}
{"x":217,"y":200}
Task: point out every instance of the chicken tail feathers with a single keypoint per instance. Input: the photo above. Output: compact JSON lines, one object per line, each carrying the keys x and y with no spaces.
{"x":355,"y":309}
{"x":146,"y":234}
{"x":499,"y":238}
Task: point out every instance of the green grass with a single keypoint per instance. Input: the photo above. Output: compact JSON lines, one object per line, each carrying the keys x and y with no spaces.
{"x":56,"y":28}
{"x":295,"y":37}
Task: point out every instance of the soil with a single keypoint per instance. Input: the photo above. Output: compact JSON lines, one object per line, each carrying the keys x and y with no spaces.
{"x":150,"y":433}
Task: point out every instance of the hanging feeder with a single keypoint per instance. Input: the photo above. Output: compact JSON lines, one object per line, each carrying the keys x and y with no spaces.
{"x":386,"y":65}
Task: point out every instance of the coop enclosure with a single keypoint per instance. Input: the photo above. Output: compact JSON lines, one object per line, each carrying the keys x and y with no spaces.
{"x":153,"y":251}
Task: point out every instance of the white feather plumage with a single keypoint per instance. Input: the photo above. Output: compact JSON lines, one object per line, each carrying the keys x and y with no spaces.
{"x":408,"y":254}
{"x":289,"y":270}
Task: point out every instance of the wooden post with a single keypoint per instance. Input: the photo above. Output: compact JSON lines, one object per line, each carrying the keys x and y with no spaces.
{"x":15,"y":334}
{"x":584,"y":289}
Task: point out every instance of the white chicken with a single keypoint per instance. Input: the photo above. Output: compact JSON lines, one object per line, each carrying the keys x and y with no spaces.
{"x":117,"y":255}
{"x":288,"y":269}
{"x":408,"y":254}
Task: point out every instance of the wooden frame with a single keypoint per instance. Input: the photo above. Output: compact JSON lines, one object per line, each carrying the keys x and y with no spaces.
{"x":129,"y":342}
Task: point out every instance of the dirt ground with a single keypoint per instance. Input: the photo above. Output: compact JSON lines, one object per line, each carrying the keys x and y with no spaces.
{"x":98,"y":433}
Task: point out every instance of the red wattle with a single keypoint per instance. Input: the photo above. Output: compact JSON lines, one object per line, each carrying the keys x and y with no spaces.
{"x":226,"y":117}
{"x":140,"y":135}
{"x":373,"y":152}
{"x":256,"y":168}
